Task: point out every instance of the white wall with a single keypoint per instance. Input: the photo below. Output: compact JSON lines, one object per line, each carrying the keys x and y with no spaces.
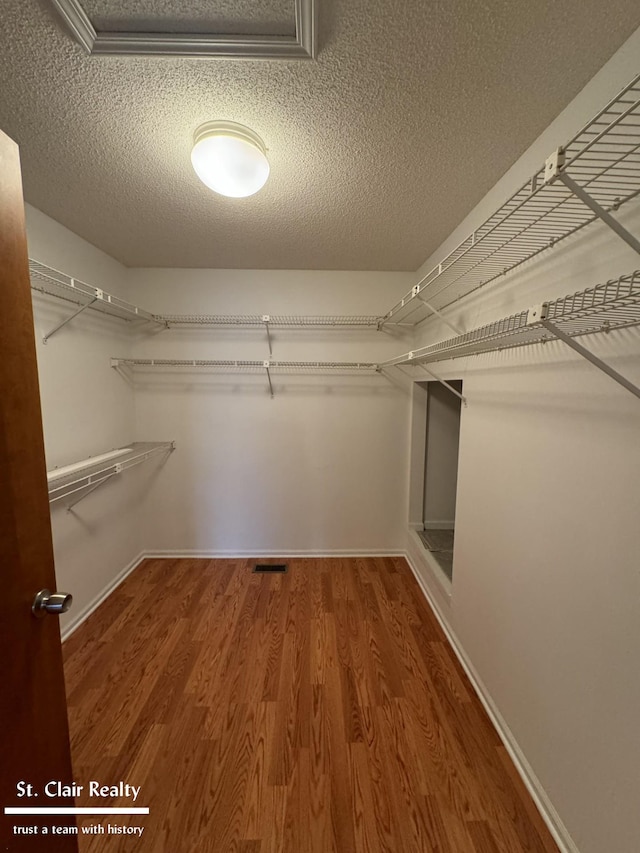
{"x":321,"y":467}
{"x":546,"y":589}
{"x":86,"y":410}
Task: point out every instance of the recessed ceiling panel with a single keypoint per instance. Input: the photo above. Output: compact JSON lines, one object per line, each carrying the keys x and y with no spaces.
{"x":224,"y":17}
{"x":276,"y":29}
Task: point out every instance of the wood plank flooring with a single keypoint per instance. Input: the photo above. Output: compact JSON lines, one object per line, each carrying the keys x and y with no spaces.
{"x":319,"y":710}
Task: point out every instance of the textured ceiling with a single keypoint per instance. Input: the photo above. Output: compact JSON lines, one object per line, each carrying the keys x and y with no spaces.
{"x":223,"y":16}
{"x":378,"y":149}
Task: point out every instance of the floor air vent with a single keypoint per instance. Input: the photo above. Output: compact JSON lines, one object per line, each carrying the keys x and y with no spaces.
{"x":277,"y":568}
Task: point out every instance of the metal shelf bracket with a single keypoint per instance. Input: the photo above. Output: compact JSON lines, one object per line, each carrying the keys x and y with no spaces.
{"x":408,"y":362}
{"x":99,"y":295}
{"x":446,"y":384}
{"x":600,"y":212}
{"x":92,"y":487}
{"x":267,"y":365}
{"x":538,"y":315}
{"x":434,"y":310}
{"x":117,"y":365}
{"x":553,"y":165}
{"x":554,"y":169}
{"x":266,"y":319}
{"x":585,"y":353}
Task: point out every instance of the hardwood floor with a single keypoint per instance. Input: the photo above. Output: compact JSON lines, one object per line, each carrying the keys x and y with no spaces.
{"x":319,"y":710}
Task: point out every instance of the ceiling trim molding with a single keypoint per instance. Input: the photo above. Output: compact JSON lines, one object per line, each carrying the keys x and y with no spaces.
{"x":78,"y":22}
{"x":202,"y":45}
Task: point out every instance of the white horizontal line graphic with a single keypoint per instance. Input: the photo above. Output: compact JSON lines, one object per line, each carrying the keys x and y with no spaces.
{"x":27,"y":810}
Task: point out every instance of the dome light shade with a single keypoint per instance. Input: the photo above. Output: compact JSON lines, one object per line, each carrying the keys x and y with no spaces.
{"x":230,"y":159}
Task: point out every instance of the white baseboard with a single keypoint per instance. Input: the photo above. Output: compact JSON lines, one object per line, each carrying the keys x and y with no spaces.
{"x":542,"y":802}
{"x":80,"y":617}
{"x":240,"y":555}
{"x":439,"y":525}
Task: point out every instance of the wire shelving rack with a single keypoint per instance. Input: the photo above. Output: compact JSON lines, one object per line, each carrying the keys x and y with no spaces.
{"x":53,"y":282}
{"x":267,"y":367}
{"x":46,"y":279}
{"x":280,"y":321}
{"x":91,"y":473}
{"x":614,"y":304}
{"x":270,"y":321}
{"x":595,"y":173}
{"x":237,"y":365}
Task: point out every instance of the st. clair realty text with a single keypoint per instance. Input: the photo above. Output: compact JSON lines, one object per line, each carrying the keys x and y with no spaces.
{"x":96,"y":789}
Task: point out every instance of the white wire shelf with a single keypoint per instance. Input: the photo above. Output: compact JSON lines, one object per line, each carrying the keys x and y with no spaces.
{"x":237,"y":366}
{"x":83,"y":477}
{"x":45,"y":279}
{"x":266,"y":367}
{"x":612,"y":305}
{"x":594,"y":173}
{"x":274,"y":320}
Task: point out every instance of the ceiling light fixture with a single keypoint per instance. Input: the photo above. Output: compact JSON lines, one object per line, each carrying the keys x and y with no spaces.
{"x":229,"y":158}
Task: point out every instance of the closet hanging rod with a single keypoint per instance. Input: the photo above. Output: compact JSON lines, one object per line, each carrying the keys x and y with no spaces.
{"x":589,"y":178}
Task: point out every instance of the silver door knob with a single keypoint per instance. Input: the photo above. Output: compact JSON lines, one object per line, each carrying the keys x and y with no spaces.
{"x":51,"y":602}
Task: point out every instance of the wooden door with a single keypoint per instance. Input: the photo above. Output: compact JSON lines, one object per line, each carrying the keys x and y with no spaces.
{"x":34,"y":734}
